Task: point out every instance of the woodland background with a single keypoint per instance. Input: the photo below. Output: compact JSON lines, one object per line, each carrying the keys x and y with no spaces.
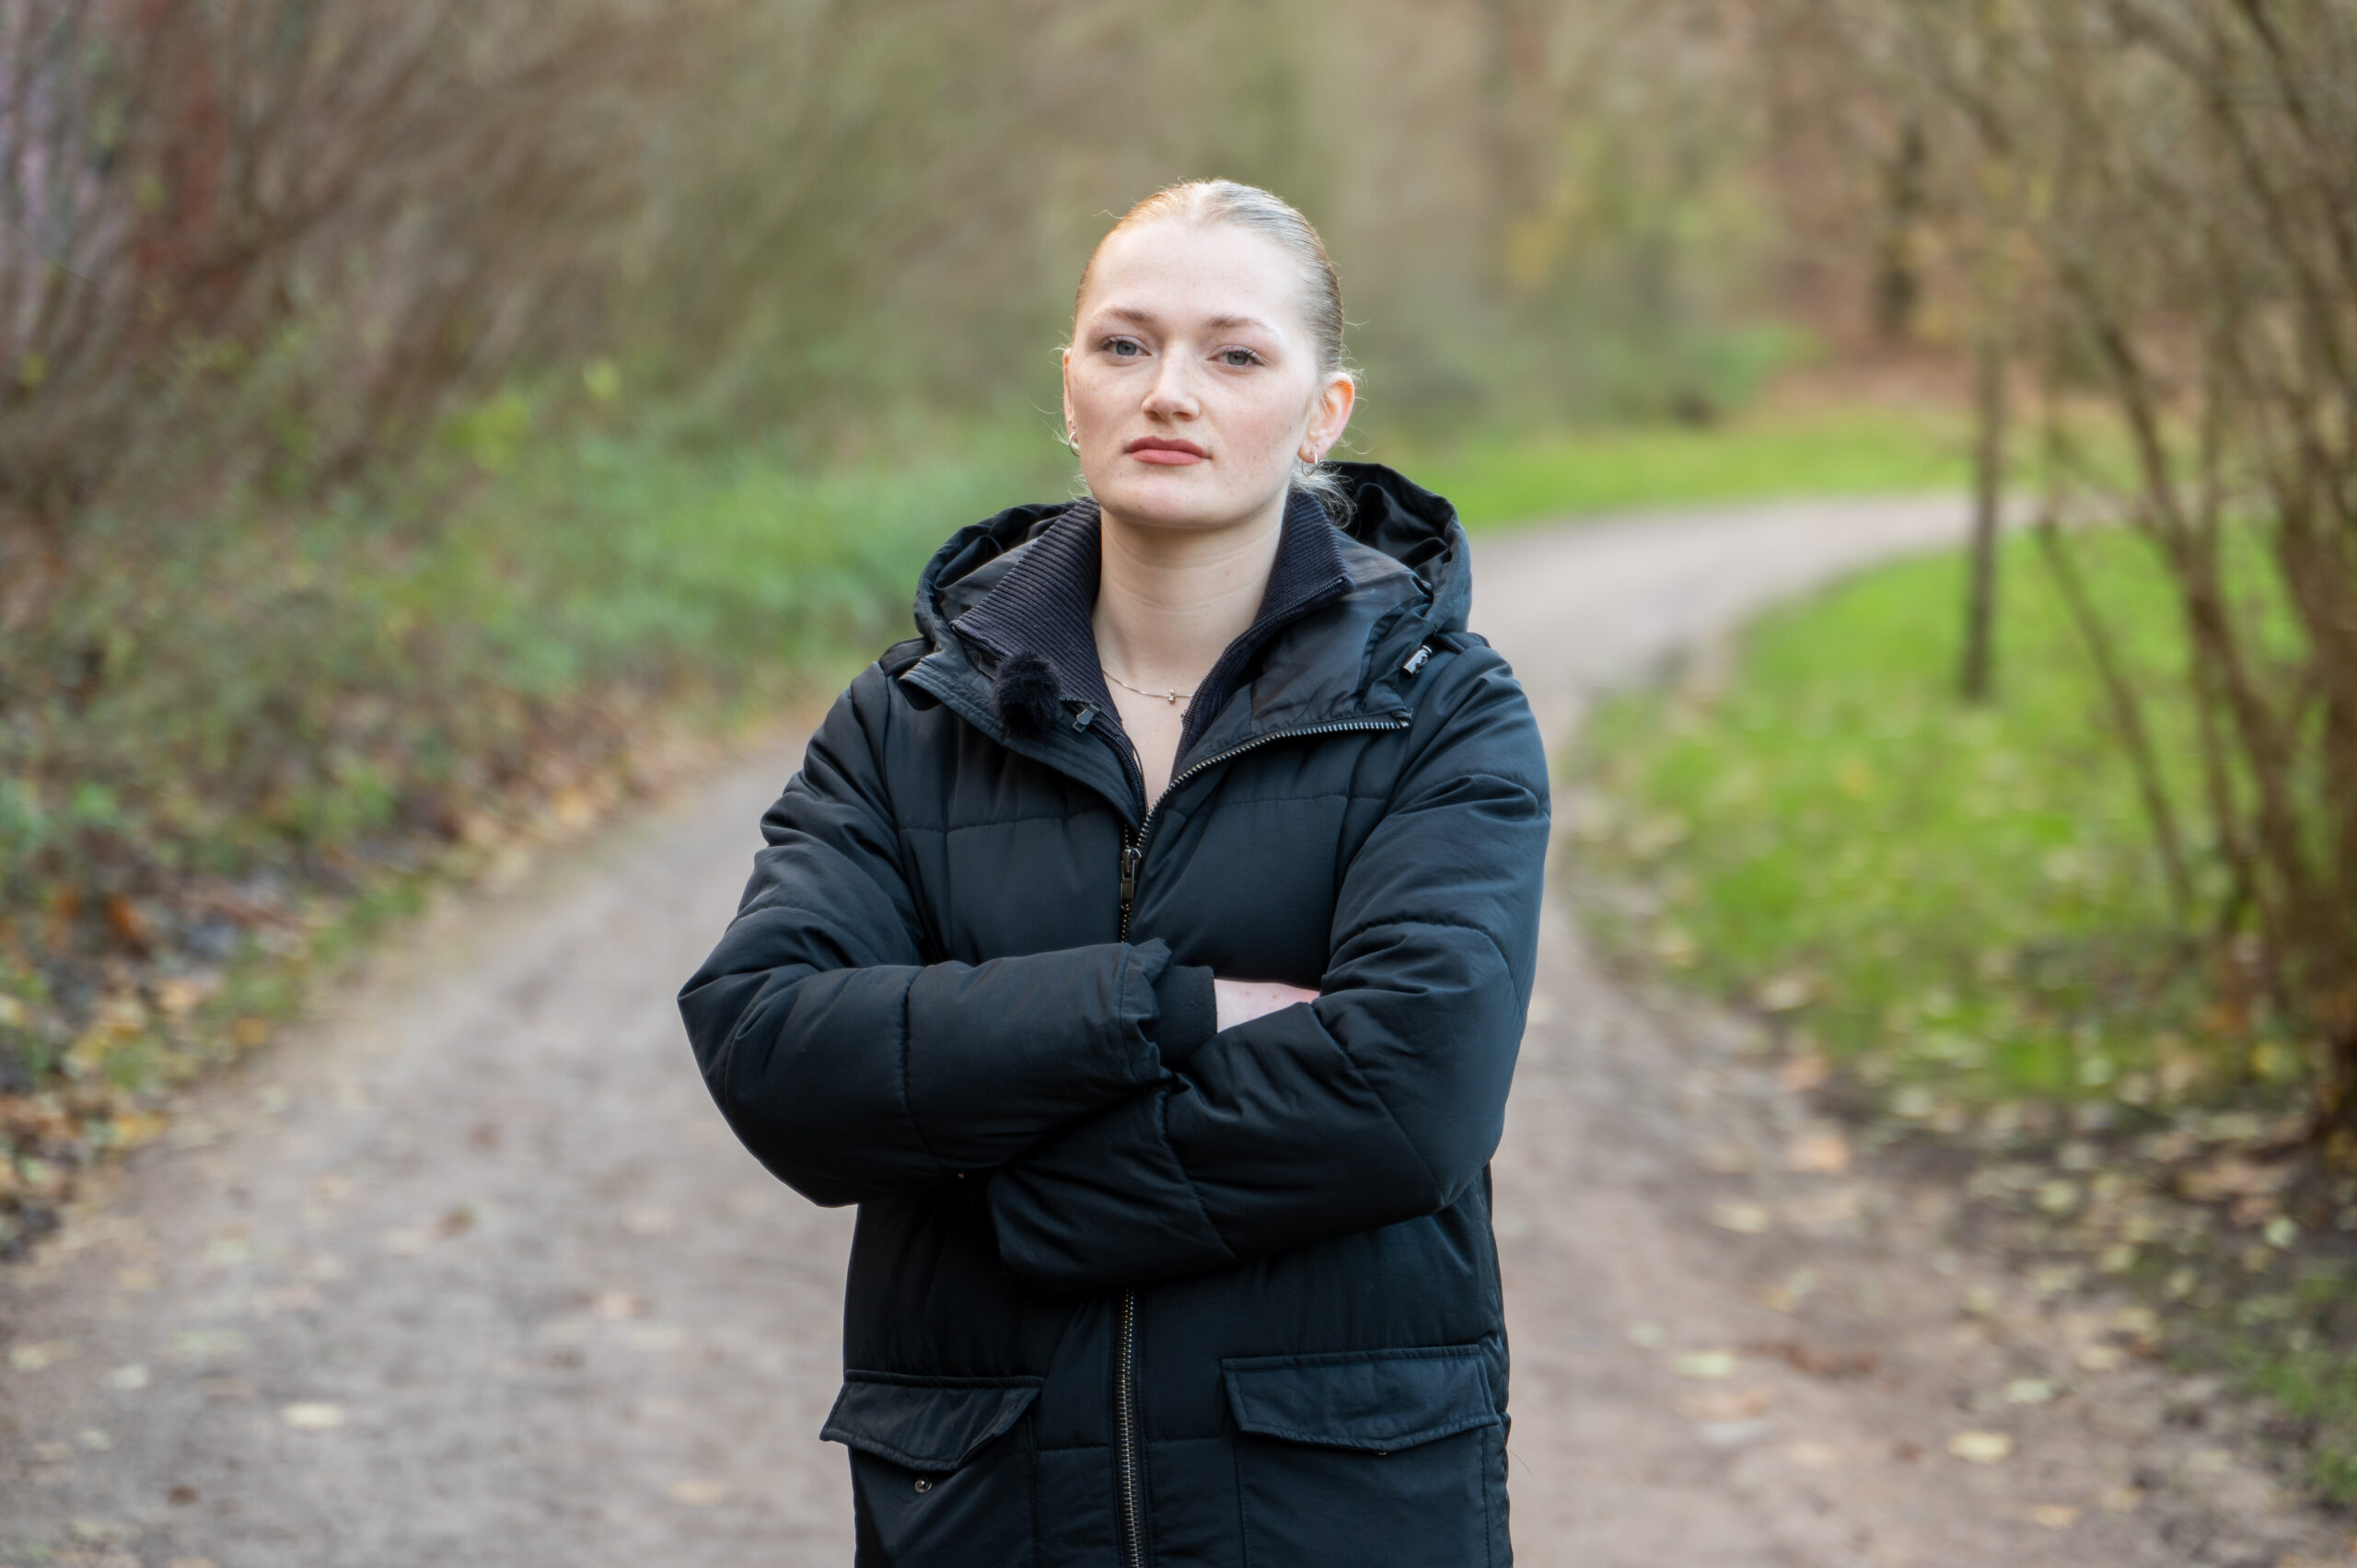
{"x":423,"y":426}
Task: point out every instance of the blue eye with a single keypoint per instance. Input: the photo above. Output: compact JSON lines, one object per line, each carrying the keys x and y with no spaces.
{"x":1240,"y":357}
{"x":1123,"y":348}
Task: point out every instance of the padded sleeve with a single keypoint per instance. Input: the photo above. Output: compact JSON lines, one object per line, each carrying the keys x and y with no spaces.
{"x":1380,"y":1101}
{"x":853,"y":1070}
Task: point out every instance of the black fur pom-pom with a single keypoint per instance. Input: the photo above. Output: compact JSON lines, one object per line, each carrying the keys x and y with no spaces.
{"x":1026,"y":694}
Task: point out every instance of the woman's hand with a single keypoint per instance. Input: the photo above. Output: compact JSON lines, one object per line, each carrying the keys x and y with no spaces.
{"x":1240,"y":1000}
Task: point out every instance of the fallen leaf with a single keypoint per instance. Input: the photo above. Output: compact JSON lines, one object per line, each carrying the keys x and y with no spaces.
{"x":1704,"y":1364}
{"x":699,"y":1493}
{"x":2100,"y":1358}
{"x":126,"y":920}
{"x":1744,"y":1219}
{"x":2054,"y":1516}
{"x":34,"y":1358}
{"x":1823,"y":1153}
{"x":1729,"y":1405}
{"x":1786,"y":1297}
{"x":1727,"y":1433}
{"x":207,"y":1344}
{"x":1814,"y":1456}
{"x":180,"y":994}
{"x":1815,"y":1361}
{"x":1803,"y":1073}
{"x":1786,"y":994}
{"x":130,"y":1379}
{"x":2119,"y":1500}
{"x":1981,"y":1447}
{"x":1836,"y":1206}
{"x":2029,"y":1391}
{"x":311,"y":1416}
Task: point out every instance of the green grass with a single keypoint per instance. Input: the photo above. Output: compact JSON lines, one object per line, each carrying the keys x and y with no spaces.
{"x":1964,"y":898}
{"x":249,"y":733}
{"x":1963,"y":905}
{"x":2295,"y":1349}
{"x":1508,"y":479}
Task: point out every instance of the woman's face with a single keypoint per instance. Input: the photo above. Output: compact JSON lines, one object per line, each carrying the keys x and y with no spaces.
{"x":1192,"y":386}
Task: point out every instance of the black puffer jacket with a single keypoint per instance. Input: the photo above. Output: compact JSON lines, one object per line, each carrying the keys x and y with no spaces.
{"x":1125,"y":1290}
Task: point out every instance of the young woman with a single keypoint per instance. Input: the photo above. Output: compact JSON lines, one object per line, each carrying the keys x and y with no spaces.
{"x":1144,"y":947}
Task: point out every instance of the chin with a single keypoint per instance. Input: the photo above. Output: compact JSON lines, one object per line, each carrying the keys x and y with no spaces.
{"x":1175,"y":498}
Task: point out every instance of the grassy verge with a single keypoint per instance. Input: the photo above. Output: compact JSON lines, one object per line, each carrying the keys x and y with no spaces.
{"x":249,"y":736}
{"x":1510,"y":479}
{"x":245,"y":734}
{"x":1962,"y":909}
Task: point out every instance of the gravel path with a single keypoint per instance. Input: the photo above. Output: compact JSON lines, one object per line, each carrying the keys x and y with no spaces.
{"x":469,"y":1271}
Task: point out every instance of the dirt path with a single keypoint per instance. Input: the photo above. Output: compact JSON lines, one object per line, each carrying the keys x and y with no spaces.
{"x":469,"y":1272}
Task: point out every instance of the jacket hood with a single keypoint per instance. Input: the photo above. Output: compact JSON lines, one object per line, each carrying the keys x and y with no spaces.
{"x":1388,"y":514}
{"x":1003,"y":613}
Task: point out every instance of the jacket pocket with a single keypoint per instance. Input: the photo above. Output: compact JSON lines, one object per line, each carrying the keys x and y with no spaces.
{"x":940,"y":1467}
{"x":1381,"y":1460}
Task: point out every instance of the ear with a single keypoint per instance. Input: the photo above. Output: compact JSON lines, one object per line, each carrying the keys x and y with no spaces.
{"x":1330,"y":413}
{"x":1063,"y":361}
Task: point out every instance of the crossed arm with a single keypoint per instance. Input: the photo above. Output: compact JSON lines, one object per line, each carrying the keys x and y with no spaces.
{"x":1114,"y":1156}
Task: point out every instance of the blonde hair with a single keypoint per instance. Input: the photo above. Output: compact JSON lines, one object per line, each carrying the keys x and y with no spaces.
{"x":1207,"y":201}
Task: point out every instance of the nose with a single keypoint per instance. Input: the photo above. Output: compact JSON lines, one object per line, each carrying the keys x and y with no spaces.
{"x":1172,"y":395}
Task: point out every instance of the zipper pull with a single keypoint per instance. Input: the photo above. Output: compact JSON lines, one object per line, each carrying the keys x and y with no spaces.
{"x":1130,"y":858}
{"x":1084,"y":718}
{"x":1416,"y":660}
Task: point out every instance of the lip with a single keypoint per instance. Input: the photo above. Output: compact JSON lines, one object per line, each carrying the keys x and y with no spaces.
{"x":1165,"y":451}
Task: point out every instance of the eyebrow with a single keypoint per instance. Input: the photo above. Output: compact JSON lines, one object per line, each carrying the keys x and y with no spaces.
{"x":1148,"y":319}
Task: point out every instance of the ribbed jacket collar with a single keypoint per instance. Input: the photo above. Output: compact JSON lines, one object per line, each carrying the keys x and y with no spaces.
{"x":1044,"y":603}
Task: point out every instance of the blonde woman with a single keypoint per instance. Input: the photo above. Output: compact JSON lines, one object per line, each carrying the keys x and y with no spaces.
{"x":1144,"y":947}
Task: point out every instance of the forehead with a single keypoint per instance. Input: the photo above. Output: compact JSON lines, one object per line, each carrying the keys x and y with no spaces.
{"x":1181,"y":271}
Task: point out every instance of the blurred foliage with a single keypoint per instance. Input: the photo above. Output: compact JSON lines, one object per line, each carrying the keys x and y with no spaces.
{"x":1962,"y":911}
{"x":346,"y":218}
{"x":239,"y":746}
{"x":2154,"y":201}
{"x":414,"y":416}
{"x":1965,"y":900}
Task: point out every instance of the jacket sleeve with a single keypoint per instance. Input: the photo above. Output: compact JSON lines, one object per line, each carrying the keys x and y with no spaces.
{"x":853,"y":1069}
{"x":1380,"y":1101}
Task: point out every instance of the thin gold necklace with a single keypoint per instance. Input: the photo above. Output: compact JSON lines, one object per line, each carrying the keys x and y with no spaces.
{"x":1172,"y":697}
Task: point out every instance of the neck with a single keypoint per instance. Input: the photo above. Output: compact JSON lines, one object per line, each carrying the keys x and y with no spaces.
{"x":1170,"y":601}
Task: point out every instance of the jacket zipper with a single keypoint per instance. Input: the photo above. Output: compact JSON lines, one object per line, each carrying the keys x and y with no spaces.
{"x":1125,"y":1391}
{"x":1125,"y":1401}
{"x":1133,"y":844}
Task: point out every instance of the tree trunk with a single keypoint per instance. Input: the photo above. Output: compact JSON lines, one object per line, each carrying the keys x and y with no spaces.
{"x":1975,"y":679}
